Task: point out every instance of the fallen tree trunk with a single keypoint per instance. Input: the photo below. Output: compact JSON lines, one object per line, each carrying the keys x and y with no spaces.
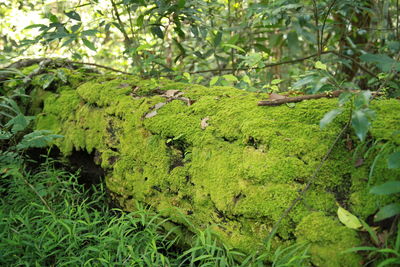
{"x":210,"y":157}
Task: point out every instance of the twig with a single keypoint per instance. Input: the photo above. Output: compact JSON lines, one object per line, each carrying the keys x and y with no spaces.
{"x":324,"y":23}
{"x":296,"y":99}
{"x":97,"y":65}
{"x":355,"y":62}
{"x":309,"y":183}
{"x":265,"y":66}
{"x":316,"y":18}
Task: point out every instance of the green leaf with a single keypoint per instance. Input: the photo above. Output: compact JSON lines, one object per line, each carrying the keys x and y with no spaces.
{"x":329,"y":117}
{"x":348,"y":219}
{"x":47,"y":79}
{"x":234,"y":47}
{"x":344,"y":98}
{"x":276,"y":81}
{"x":383,"y":62}
{"x":387,"y":212}
{"x":391,"y":187}
{"x":217,"y":38}
{"x":73,"y":15}
{"x":62,"y":75}
{"x":214,"y":80}
{"x":394,"y":160}
{"x":88,"y":44}
{"x":360,"y":123}
{"x":90,"y":32}
{"x":69,"y":41}
{"x":156,"y":30}
{"x":76,"y":27}
{"x":230,"y":77}
{"x":362,"y":99}
{"x":320,"y":65}
{"x":53,"y":18}
{"x":39,"y":138}
{"x":42,"y":26}
{"x":19,"y":122}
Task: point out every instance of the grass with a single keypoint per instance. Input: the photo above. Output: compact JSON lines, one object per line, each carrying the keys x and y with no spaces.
{"x":48,"y":219}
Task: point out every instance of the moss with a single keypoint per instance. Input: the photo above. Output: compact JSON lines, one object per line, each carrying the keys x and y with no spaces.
{"x":238,"y":174}
{"x":328,"y":239}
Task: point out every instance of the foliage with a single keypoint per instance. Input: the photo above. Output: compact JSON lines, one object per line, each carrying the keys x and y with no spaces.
{"x":53,"y":220}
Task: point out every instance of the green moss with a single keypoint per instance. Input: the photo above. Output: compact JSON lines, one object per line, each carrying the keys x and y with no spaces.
{"x":237,"y":173}
{"x":328,"y":241}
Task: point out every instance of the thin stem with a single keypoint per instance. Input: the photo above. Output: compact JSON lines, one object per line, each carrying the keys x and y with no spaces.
{"x":324,"y":23}
{"x":316,"y":19}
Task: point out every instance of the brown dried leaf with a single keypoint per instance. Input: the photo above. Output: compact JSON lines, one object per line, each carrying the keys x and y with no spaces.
{"x":123,"y":85}
{"x":274,"y":96}
{"x":171,"y":93}
{"x":159,"y":105}
{"x":151,"y":114}
{"x":359,"y":162}
{"x":204,"y":123}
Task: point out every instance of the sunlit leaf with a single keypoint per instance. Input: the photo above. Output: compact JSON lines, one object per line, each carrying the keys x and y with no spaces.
{"x":348,"y":219}
{"x":214,"y":80}
{"x":320,"y":65}
{"x":391,"y":187}
{"x":387,"y":212}
{"x":230,"y":77}
{"x":329,"y":117}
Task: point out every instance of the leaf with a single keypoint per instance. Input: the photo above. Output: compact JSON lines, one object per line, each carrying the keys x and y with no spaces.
{"x":39,"y":138}
{"x":387,"y":212}
{"x":47,"y":79}
{"x":69,"y":41}
{"x":329,"y":117}
{"x":88,"y":44}
{"x":214,"y":80}
{"x":391,"y":187}
{"x":275,"y":96}
{"x":186,"y":75}
{"x":76,"y":27}
{"x":230,"y":77}
{"x":156,"y":30}
{"x":394,"y":160}
{"x":73,"y":15}
{"x":42,"y":26}
{"x":90,"y":32}
{"x":276,"y":81}
{"x":320,"y":65}
{"x":344,"y":98}
{"x":360,"y":123}
{"x":61,"y":75}
{"x":291,"y":105}
{"x":234,"y":47}
{"x":348,"y":219}
{"x":383,"y":62}
{"x":362,"y":99}
{"x":217,"y":38}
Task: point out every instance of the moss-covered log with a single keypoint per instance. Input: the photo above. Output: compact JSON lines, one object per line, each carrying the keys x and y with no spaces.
{"x":216,"y":157}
